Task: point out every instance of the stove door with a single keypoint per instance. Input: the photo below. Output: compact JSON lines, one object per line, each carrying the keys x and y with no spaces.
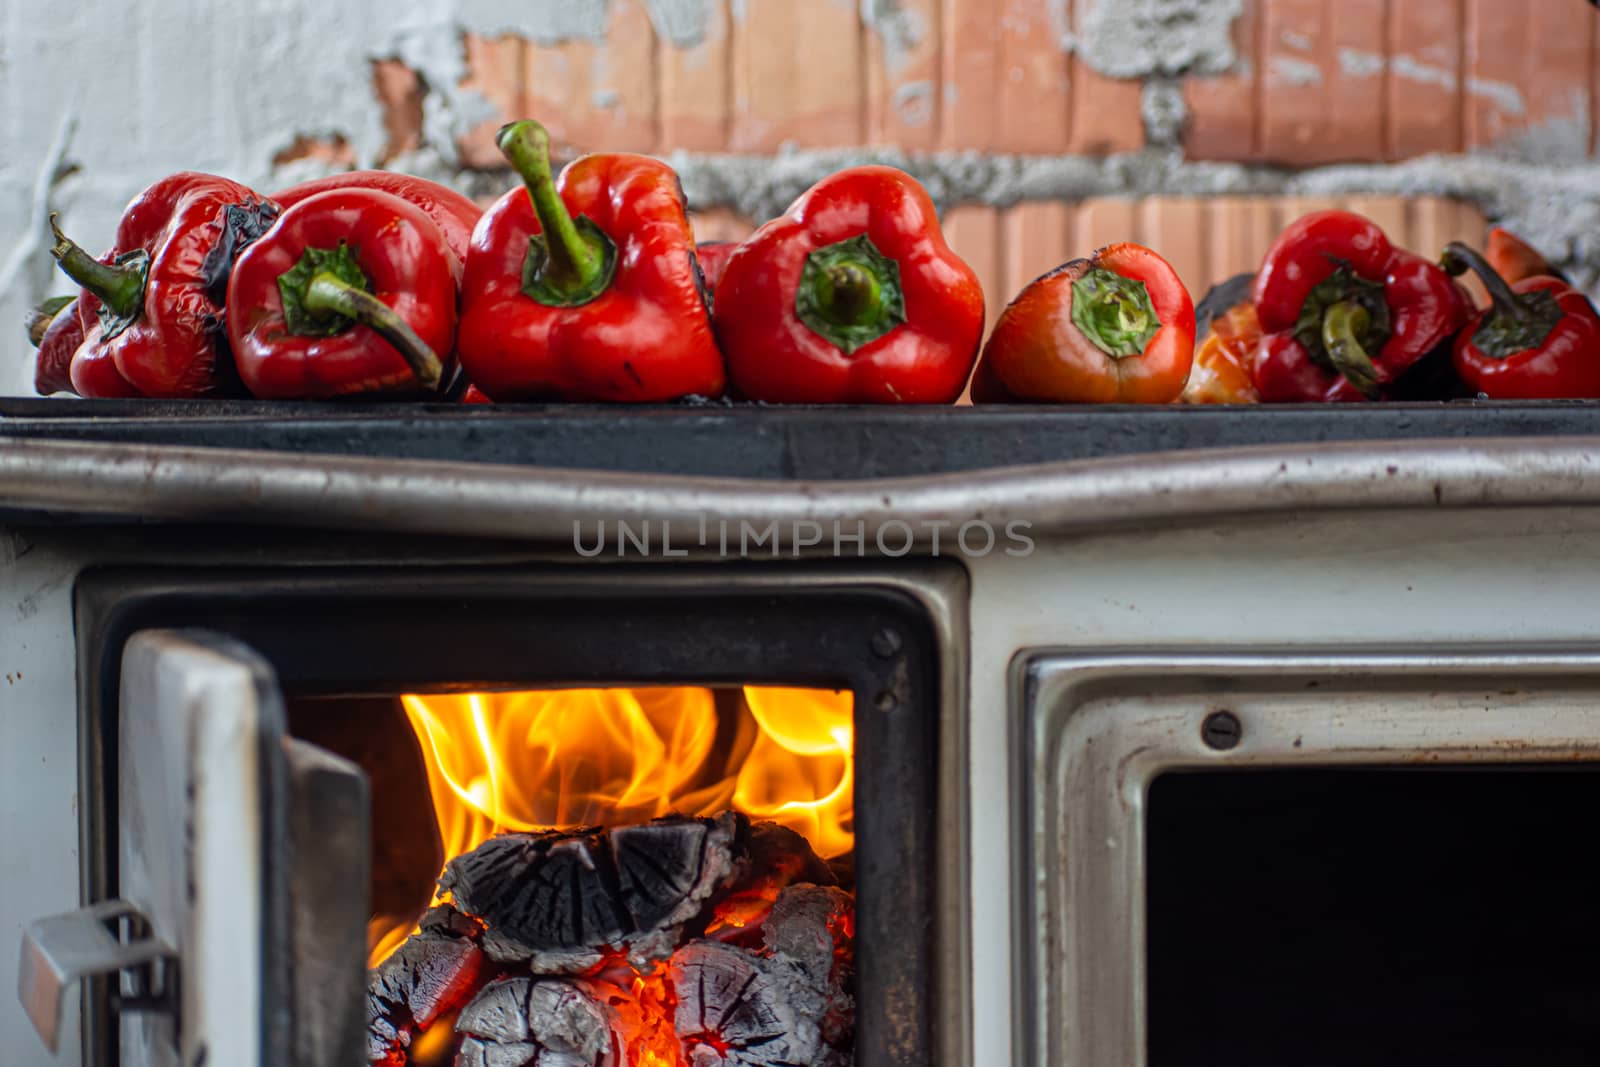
{"x":247,"y":852}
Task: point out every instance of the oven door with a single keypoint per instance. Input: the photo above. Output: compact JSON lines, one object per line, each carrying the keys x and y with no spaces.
{"x":242,"y":861}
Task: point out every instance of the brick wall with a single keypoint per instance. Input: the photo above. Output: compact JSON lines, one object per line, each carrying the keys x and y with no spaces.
{"x":1041,"y":126}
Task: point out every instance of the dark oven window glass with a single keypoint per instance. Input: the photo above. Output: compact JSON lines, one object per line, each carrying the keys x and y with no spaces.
{"x":1439,"y":916}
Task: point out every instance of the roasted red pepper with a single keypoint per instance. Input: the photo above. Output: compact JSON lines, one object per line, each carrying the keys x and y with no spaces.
{"x":56,"y":331}
{"x":586,"y":288}
{"x":1114,"y":329}
{"x":1515,"y":259}
{"x":352,"y":291}
{"x":1538,"y":340}
{"x":152,"y":307}
{"x":1344,"y":313}
{"x":713,"y":257}
{"x":454,"y":214}
{"x":851,"y":297}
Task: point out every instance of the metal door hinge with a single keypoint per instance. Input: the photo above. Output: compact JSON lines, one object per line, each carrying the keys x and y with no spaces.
{"x":111,"y":939}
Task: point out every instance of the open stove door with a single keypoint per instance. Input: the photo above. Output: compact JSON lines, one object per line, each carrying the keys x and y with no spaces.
{"x":240,"y":935}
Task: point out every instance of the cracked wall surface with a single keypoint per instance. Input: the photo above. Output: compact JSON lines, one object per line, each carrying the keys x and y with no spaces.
{"x":1018,"y":114}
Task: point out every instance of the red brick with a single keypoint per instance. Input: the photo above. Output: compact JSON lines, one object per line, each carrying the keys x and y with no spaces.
{"x":1031,"y":94}
{"x":599,"y":96}
{"x":1103,"y":221}
{"x":903,"y":97}
{"x":1424,"y":79}
{"x":333,"y":151}
{"x":974,"y":233}
{"x":1036,"y":239}
{"x":495,"y":70}
{"x":797,"y":75}
{"x":399,"y":93}
{"x":1528,"y":66}
{"x":1107,"y":113}
{"x":1224,"y":108}
{"x":696,"y":89}
{"x":970,"y":49}
{"x":1176,"y":228}
{"x":720,"y":224}
{"x":1322,"y":81}
{"x":1239,"y":230}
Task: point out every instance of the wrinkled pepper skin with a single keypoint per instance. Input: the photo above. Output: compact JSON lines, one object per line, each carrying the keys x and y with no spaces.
{"x":584,"y":288}
{"x":1344,"y":313}
{"x":454,"y":214}
{"x":851,"y":297}
{"x":1515,"y":259}
{"x":52,"y":368}
{"x":1117,"y":328}
{"x":385,"y":326}
{"x":161,"y":335}
{"x":1538,"y":340}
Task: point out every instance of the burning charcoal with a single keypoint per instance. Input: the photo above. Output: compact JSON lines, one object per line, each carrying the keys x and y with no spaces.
{"x":527,"y":1022}
{"x":738,"y":1009}
{"x":435,"y":971}
{"x":541,"y":891}
{"x":813,"y":928}
{"x":778,"y":853}
{"x":668,"y":868}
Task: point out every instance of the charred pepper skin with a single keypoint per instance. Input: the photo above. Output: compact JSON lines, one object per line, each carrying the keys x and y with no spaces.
{"x":454,"y":214}
{"x":851,"y":297}
{"x":584,"y":288}
{"x":1114,"y":329}
{"x":353,"y":291}
{"x":60,"y":340}
{"x":1538,"y":340}
{"x":150,"y":309}
{"x":1344,"y":313}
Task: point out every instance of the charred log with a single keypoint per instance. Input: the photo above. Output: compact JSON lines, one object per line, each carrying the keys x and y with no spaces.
{"x":436,"y":971}
{"x":541,"y":891}
{"x":784,"y":858}
{"x":738,"y":1009}
{"x":557,"y":899}
{"x":527,"y":1022}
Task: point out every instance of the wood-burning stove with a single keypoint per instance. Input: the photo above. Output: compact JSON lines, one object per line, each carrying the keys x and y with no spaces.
{"x":1382,"y":604}
{"x":357,"y":632}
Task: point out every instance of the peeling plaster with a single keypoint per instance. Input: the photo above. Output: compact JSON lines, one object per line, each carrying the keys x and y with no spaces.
{"x":1134,"y":38}
{"x":1287,"y":70}
{"x":682,"y":23}
{"x":899,"y":29}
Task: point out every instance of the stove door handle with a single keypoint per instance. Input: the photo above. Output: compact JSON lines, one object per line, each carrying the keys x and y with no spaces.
{"x":112,"y":939}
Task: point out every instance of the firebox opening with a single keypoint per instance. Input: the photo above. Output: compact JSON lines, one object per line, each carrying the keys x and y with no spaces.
{"x":602,"y":849}
{"x":1376,"y":916}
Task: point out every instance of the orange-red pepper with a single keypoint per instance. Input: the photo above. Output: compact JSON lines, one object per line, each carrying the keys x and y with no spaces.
{"x":1115,"y":328}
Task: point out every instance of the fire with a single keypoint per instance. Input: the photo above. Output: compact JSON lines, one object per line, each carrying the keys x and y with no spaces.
{"x":565,"y":758}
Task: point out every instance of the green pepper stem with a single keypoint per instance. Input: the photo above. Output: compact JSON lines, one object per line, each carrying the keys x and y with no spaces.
{"x":575,"y":263}
{"x":41,"y":315}
{"x":1458,"y":258}
{"x":328,"y":294}
{"x":848,"y":294}
{"x":120,"y":288}
{"x":1114,"y":313}
{"x":1342,"y":327}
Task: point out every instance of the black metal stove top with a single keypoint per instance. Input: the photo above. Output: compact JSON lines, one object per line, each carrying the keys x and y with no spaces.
{"x":809,"y":443}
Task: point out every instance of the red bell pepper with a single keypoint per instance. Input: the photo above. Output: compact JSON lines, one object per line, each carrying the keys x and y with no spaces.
{"x":1344,"y":313}
{"x":352,"y":291}
{"x":851,"y":297}
{"x":1538,"y":340}
{"x":1114,"y":329}
{"x":454,"y":214}
{"x":56,"y":331}
{"x":152,"y":307}
{"x":585,"y":288}
{"x":1515,"y":259}
{"x":713,"y":257}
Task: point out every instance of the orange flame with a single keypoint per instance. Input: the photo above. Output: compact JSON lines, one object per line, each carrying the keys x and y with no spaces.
{"x":564,"y":758}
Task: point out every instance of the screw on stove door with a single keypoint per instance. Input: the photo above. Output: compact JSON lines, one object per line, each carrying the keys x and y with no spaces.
{"x":1221,"y":730}
{"x":887,"y":642}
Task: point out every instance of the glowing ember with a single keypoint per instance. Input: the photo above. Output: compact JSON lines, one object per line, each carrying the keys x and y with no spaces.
{"x":562,"y":759}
